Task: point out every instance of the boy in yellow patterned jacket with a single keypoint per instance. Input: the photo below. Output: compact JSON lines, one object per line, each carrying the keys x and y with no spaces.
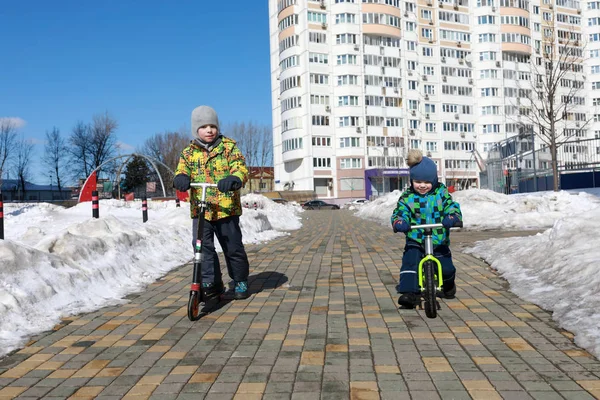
{"x":213,"y":158}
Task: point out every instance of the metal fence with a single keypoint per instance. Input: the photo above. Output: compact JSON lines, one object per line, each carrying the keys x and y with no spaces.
{"x":512,"y":166}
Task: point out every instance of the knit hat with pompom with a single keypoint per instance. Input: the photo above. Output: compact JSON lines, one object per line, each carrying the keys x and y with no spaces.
{"x":421,"y":168}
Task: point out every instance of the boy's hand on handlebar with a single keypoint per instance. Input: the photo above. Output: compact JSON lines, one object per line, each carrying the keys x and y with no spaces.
{"x":450,"y":221}
{"x":401,"y":226}
{"x":229,"y":183}
{"x":181,"y":182}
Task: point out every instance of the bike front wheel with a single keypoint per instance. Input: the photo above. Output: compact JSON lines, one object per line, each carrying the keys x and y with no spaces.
{"x":430,"y":289}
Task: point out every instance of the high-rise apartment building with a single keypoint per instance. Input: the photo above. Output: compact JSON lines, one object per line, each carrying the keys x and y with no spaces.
{"x":356,"y":83}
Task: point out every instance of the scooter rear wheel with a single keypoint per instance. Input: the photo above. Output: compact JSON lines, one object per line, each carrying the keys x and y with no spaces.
{"x":430,"y":293}
{"x":194,"y":306}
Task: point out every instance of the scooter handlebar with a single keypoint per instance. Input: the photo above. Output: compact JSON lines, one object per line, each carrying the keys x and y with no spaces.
{"x":458,"y":224}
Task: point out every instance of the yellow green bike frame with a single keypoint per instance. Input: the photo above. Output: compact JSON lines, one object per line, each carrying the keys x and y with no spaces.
{"x":440,"y":281}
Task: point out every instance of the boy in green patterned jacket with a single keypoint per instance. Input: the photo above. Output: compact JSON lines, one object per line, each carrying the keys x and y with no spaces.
{"x":213,"y":158}
{"x":427,"y":201}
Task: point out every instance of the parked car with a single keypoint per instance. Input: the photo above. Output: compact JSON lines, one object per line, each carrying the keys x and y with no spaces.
{"x":359,"y":201}
{"x":318,"y":205}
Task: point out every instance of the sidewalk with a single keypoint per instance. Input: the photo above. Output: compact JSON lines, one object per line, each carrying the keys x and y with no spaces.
{"x":322,"y":324}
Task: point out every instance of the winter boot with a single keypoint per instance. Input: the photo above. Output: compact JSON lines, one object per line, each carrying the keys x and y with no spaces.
{"x":212,"y":291}
{"x":240,"y":291}
{"x":447,"y":293}
{"x":408,"y":301}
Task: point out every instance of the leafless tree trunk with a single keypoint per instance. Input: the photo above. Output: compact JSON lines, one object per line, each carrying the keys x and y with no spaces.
{"x":55,"y":155}
{"x":24,"y":150}
{"x":266,"y":151}
{"x":555,"y":98}
{"x":166,"y":147}
{"x":8,"y":137}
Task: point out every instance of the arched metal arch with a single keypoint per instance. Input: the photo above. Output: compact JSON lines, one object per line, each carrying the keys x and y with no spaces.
{"x":151,"y":160}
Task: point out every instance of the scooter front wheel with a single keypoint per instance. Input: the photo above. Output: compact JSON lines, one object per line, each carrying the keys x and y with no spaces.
{"x":194,"y":306}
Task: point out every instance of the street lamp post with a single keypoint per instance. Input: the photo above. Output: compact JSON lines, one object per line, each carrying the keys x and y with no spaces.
{"x":51,"y":190}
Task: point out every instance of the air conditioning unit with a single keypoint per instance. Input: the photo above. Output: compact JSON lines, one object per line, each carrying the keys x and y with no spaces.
{"x":413,"y":112}
{"x":574,"y":156}
{"x":430,"y":40}
{"x":444,"y":78}
{"x":277,"y":77}
{"x":577,"y":124}
{"x":538,"y":85}
{"x":462,"y":135}
{"x":356,"y":47}
{"x":406,"y":14}
{"x":498,"y":64}
{"x":411,"y":132}
{"x":396,"y":90}
{"x":323,"y":6}
{"x":537,"y":51}
{"x":461,"y":61}
{"x":431,"y":22}
{"x":425,"y":77}
{"x":550,"y":6}
{"x":427,"y":116}
{"x":443,"y":59}
{"x":358,"y":129}
{"x":579,"y":11}
{"x":327,"y":108}
{"x":518,"y":100}
{"x":458,"y":44}
{"x":410,"y":73}
{"x":456,"y":116}
{"x":441,"y":4}
{"x":382,"y":70}
{"x":470,"y":81}
{"x":456,"y":6}
{"x":324,"y":25}
{"x":429,"y":3}
{"x":493,"y":9}
{"x":426,"y":97}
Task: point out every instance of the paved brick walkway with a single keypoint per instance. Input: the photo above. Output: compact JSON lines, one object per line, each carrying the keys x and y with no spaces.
{"x":322,"y":324}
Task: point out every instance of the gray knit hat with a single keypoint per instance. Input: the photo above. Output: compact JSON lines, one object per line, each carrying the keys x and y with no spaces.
{"x":203,"y":115}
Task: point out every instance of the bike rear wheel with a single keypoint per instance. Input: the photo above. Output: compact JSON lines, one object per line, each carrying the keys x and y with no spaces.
{"x":429,"y":290}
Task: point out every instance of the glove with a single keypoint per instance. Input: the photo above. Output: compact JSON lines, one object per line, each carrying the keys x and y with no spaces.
{"x":450,"y":220}
{"x":229,"y":183}
{"x":401,"y":226}
{"x":181,"y":182}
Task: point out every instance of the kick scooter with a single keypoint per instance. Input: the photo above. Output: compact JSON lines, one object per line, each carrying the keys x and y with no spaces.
{"x":196,"y":289}
{"x":430,"y":270}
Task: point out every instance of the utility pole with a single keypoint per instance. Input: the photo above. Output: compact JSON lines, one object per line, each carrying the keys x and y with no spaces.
{"x":535,"y":183}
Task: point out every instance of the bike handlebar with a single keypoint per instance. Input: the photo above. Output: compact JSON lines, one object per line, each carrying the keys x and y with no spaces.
{"x":458,"y":224}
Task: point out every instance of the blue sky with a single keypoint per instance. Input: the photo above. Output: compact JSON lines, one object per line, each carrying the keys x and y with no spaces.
{"x":148,"y":63}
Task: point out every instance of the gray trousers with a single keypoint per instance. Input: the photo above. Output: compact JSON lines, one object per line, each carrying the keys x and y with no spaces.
{"x":229,"y":234}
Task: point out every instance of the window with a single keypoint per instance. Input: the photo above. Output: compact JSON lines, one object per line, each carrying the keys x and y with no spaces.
{"x":349,"y":142}
{"x":345,"y":38}
{"x":321,"y":162}
{"x":319,"y":79}
{"x":319,"y":99}
{"x":345,"y":18}
{"x":348,"y":121}
{"x":347,"y":101}
{"x":320,"y":120}
{"x":351,"y":163}
{"x":317,"y":17}
{"x":343,"y":80}
{"x":317,"y":37}
{"x":318,"y":58}
{"x":291,"y":144}
{"x":427,"y":51}
{"x":346,"y":59}
{"x":321,"y":141}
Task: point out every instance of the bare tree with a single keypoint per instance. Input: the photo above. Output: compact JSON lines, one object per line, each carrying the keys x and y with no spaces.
{"x":80,"y":145}
{"x":255,"y":142}
{"x":23,"y":152}
{"x":166,"y":147}
{"x":104,"y":139}
{"x":8,"y":137}
{"x":555,"y":98}
{"x":93,"y":144}
{"x":55,"y":155}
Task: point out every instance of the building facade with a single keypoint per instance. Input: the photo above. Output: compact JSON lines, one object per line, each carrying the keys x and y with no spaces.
{"x":357,"y":83}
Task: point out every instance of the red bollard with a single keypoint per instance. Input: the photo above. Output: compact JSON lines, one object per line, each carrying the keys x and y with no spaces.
{"x":177,"y":202}
{"x":1,"y":216}
{"x":144,"y":209}
{"x":95,"y":205}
